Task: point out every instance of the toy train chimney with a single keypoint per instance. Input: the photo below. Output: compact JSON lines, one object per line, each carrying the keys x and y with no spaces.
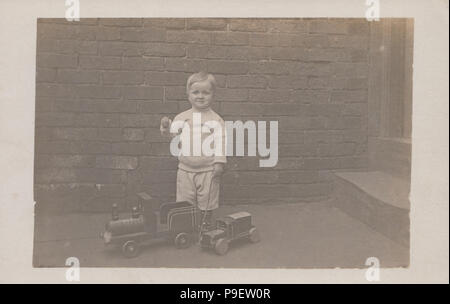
{"x":135,"y":212}
{"x":115,"y":212}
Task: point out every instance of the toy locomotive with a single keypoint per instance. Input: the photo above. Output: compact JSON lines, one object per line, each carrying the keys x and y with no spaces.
{"x":229,"y":228}
{"x":174,"y":221}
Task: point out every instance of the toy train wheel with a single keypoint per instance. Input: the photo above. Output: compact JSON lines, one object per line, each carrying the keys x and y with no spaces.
{"x":182,"y":240}
{"x":221,"y":246}
{"x":130,"y":249}
{"x":254,"y":235}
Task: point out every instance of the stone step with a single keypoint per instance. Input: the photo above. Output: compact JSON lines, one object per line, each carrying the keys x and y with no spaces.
{"x":377,"y":199}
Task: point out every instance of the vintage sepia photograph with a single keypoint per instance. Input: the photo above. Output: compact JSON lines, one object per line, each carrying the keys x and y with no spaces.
{"x":223,"y":142}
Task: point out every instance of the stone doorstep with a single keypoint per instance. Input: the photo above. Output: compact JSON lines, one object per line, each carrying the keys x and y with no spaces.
{"x":376,"y":199}
{"x":382,"y":186}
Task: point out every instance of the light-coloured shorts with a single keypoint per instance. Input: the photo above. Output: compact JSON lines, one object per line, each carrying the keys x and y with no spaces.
{"x":195,"y":187}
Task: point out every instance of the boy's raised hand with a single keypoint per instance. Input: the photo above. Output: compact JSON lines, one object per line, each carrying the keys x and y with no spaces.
{"x":165,"y":125}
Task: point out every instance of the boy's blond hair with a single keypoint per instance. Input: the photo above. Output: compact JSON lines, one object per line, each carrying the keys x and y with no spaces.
{"x":201,"y":76}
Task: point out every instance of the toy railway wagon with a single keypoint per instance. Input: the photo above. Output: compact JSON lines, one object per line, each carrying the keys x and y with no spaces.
{"x":230,"y":228}
{"x":174,"y":221}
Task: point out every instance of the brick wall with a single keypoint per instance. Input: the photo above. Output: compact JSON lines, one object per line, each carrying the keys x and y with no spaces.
{"x":104,"y":84}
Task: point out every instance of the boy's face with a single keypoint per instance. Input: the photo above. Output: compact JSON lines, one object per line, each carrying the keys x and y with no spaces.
{"x":201,"y":95}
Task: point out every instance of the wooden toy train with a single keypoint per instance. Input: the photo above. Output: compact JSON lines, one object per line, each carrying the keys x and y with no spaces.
{"x":173,"y":221}
{"x":177,"y":222}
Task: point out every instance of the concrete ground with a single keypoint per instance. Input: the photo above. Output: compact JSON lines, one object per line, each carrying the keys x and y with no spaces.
{"x":314,"y":235}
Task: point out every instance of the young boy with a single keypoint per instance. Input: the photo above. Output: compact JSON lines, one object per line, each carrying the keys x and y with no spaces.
{"x":198,"y":176}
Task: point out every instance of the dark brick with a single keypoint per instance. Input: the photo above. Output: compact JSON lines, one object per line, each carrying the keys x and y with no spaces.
{"x":206,"y":52}
{"x":329,"y":27}
{"x":164,"y":176}
{"x":288,"y":82}
{"x":158,"y":107}
{"x":355,"y":109}
{"x":107,"y":33}
{"x":143,"y":92}
{"x":120,"y":48}
{"x":158,"y":163}
{"x":227,"y":67}
{"x":45,"y":75}
{"x":143,"y":63}
{"x":55,"y":175}
{"x":134,"y":134}
{"x":99,"y":62}
{"x":168,"y":23}
{"x":350,"y":69}
{"x":261,"y":95}
{"x":75,"y":161}
{"x":98,"y":120}
{"x":327,"y":54}
{"x":66,"y":105}
{"x":318,"y":83}
{"x":122,"y":22}
{"x":231,"y":94}
{"x":227,"y":38}
{"x":110,"y":134}
{"x":349,"y":96}
{"x":140,"y":120}
{"x":206,"y":24}
{"x":235,"y":108}
{"x":77,"y":47}
{"x":97,"y":91}
{"x":130,"y":148}
{"x":264,"y":39}
{"x":349,"y":83}
{"x":165,"y":78}
{"x":310,"y":69}
{"x":288,"y":25}
{"x":248,"y":25}
{"x":266,"y":67}
{"x":46,"y":45}
{"x":56,"y":61}
{"x":164,"y":49}
{"x":90,"y":147}
{"x":76,"y":76}
{"x":116,"y":162}
{"x":310,"y":97}
{"x":345,"y":41}
{"x":54,"y":119}
{"x":123,"y":77}
{"x":74,"y":133}
{"x":289,"y":53}
{"x":143,"y":35}
{"x":246,"y":82}
{"x":54,"y":146}
{"x":108,"y":106}
{"x":196,"y":37}
{"x":185,"y":65}
{"x":175,"y":93}
{"x":100,"y":176}
{"x":57,"y":31}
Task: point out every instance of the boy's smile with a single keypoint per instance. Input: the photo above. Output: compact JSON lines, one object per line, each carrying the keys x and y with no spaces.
{"x":201,"y":95}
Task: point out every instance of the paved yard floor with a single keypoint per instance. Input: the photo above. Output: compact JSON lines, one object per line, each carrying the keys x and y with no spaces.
{"x":313,"y":235}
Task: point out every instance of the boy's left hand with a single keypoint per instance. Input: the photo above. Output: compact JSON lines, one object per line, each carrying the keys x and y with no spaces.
{"x":218,"y":170}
